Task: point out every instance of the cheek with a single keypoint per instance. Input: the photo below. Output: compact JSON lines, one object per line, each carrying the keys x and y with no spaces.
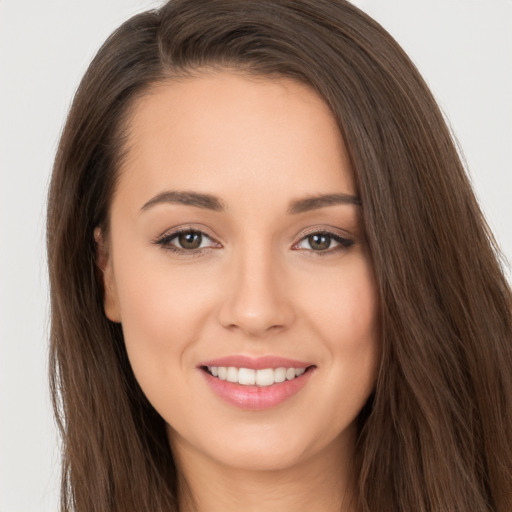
{"x":345,"y":307}
{"x":347,"y":321}
{"x":161,"y":314}
{"x":360,"y":325}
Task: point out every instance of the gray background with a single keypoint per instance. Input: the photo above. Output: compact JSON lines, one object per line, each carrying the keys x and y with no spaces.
{"x":462,"y":47}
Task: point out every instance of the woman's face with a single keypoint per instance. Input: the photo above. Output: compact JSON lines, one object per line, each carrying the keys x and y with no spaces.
{"x":236,"y":242}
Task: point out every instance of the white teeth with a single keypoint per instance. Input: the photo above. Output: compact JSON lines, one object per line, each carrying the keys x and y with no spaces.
{"x":247,"y":376}
{"x":280,"y":374}
{"x":250,"y":377}
{"x":265,"y":377}
{"x":232,"y":375}
{"x":290,"y":373}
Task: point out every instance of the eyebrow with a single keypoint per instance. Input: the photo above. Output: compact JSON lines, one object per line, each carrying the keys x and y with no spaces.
{"x":211,"y":202}
{"x":321,"y":201}
{"x":206,"y":201}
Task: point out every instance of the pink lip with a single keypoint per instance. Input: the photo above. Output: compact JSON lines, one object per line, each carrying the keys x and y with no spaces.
{"x":255,"y":363}
{"x":255,"y":397}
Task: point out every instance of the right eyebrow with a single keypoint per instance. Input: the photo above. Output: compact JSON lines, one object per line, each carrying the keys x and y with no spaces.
{"x":206,"y":201}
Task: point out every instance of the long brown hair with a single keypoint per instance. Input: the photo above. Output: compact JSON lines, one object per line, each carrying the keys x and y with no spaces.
{"x":436,"y":435}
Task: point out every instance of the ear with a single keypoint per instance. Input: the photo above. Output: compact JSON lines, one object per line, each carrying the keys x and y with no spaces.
{"x":106,"y":277}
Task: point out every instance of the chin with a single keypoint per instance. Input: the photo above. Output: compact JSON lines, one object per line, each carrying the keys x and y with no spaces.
{"x":266,"y":447}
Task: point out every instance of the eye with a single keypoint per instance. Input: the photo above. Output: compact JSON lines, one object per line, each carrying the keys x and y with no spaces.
{"x":189,"y":240}
{"x":324,"y":242}
{"x":186,"y":241}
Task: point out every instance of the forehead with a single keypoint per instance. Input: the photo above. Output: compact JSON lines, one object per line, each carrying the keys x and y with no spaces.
{"x":224,"y":133}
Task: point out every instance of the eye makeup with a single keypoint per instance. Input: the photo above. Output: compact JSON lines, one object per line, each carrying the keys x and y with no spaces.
{"x":188,"y":241}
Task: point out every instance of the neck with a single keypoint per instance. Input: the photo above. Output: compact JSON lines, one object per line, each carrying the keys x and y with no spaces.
{"x":322,"y":483}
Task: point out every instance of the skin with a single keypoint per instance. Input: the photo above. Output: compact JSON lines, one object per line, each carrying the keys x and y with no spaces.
{"x":258,"y":287}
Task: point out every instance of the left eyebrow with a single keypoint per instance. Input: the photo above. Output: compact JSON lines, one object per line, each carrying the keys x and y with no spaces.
{"x":321,"y":201}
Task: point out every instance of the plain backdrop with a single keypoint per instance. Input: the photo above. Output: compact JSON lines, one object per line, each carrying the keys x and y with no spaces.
{"x":462,"y":47}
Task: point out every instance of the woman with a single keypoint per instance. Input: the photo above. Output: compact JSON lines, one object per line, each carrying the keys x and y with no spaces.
{"x":272,"y":286}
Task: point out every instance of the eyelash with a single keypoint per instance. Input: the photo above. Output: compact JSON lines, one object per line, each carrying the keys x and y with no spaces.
{"x":165,"y":240}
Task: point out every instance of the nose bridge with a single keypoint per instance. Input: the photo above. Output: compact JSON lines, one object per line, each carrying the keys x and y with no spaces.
{"x":256,"y":301}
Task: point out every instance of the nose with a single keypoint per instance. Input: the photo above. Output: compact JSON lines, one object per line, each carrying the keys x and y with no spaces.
{"x":257,"y":299}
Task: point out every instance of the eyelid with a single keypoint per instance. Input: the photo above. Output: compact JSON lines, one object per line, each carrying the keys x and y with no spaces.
{"x":325,"y":229}
{"x":344,"y":240}
{"x":185,"y":228}
{"x":167,"y":236}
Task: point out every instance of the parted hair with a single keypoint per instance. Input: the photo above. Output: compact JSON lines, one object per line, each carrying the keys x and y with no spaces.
{"x":436,"y":433}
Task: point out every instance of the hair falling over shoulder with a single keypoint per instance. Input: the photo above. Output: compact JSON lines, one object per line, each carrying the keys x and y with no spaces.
{"x":436,"y":435}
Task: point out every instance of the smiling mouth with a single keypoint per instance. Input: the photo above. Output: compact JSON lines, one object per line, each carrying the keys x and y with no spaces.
{"x":249,"y":377}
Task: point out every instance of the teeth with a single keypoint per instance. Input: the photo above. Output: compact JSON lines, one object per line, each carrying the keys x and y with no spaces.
{"x":249,"y":377}
{"x":280,"y":374}
{"x":265,"y":377}
{"x":232,"y":375}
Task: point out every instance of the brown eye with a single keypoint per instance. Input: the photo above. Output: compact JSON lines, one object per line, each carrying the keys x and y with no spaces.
{"x":190,"y":240}
{"x":186,"y":242}
{"x":319,"y":242}
{"x":324,"y":242}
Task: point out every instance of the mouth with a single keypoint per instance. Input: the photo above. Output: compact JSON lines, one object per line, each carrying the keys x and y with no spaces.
{"x":256,"y":383}
{"x":261,"y":378}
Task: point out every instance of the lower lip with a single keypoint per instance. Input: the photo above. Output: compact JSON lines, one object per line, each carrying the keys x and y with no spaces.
{"x":256,"y":398}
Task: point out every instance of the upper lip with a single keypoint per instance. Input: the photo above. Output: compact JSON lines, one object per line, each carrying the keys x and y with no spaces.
{"x":256,"y":363}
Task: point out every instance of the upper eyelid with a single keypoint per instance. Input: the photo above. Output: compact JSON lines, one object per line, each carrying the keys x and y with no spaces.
{"x":326,"y":230}
{"x":343,"y":241}
{"x":173,"y":232}
{"x":165,"y":241}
